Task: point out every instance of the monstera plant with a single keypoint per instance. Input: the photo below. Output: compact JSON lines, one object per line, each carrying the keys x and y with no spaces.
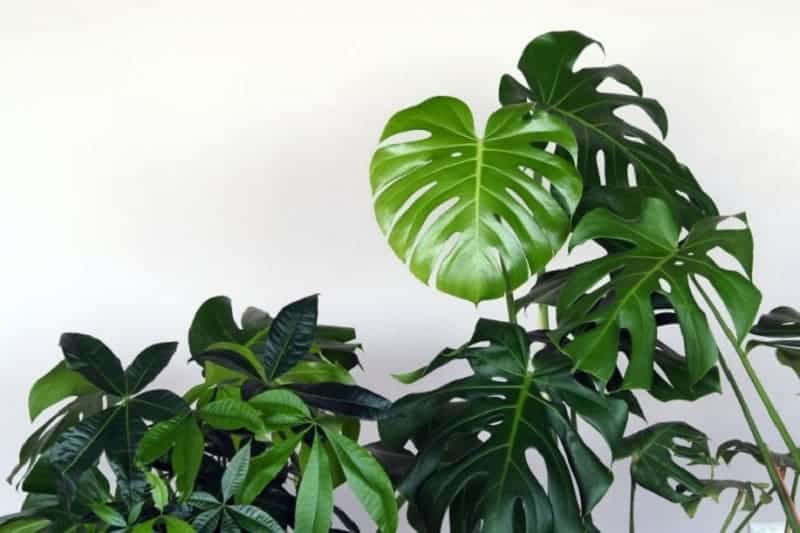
{"x":271,"y":431}
{"x":479,"y":215}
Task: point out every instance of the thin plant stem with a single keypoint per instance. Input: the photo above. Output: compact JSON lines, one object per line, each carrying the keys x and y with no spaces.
{"x":777,"y":481}
{"x":732,"y":513}
{"x":794,"y":493}
{"x":752,"y":513}
{"x":751,"y":373}
{"x":631,"y":507}
{"x":544,"y":316}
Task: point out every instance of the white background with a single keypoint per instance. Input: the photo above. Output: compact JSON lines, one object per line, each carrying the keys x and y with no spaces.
{"x":153,"y":154}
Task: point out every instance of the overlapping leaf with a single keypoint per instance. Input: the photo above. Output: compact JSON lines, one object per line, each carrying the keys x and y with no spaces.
{"x":519,"y":409}
{"x":485,"y":188}
{"x":780,"y":329}
{"x":653,"y":263}
{"x":548,"y":66}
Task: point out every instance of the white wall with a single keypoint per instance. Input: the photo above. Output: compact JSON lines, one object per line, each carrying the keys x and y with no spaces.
{"x":156,"y":153}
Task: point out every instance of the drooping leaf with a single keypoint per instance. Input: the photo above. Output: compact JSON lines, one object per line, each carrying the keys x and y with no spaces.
{"x":315,"y":495}
{"x":484,"y":185}
{"x":781,"y":327}
{"x":148,"y":365}
{"x":290,"y":336}
{"x":266,"y":466}
{"x":654,"y":451}
{"x":94,"y":361}
{"x":58,"y":384}
{"x":656,"y":263}
{"x":350,"y":400}
{"x":368,"y":481}
{"x":731,"y":448}
{"x":519,"y":410}
{"x":235,"y":473}
{"x":548,"y":66}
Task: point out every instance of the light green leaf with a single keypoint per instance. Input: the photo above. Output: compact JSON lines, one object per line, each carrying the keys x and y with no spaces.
{"x":108,"y":514}
{"x":266,"y":466}
{"x":315,"y":495}
{"x":187,"y":456}
{"x":367,"y":479}
{"x":57,"y":384}
{"x":230,"y":414}
{"x":317,"y":372}
{"x":236,"y":473}
{"x":25,"y":525}
{"x":280,"y":408}
{"x":176,"y":525}
{"x":159,"y":439}
{"x":158,"y":490}
{"x":492,"y":190}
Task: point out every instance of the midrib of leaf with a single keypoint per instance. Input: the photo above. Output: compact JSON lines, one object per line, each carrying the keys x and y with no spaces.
{"x":93,"y":439}
{"x":284,"y":349}
{"x":478,"y":179}
{"x":515,"y":423}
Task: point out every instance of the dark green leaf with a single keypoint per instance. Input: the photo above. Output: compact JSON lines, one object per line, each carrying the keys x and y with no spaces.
{"x":203,"y":501}
{"x":495,"y":203}
{"x":731,"y":448}
{"x":290,"y":336}
{"x":148,"y":365}
{"x":315,"y":495}
{"x":350,"y":400}
{"x":255,"y":520}
{"x":214,"y":322}
{"x":657,"y":263}
{"x":121,"y":442}
{"x":518,"y":410}
{"x":782,"y":325}
{"x":80,"y":446}
{"x":207,"y":521}
{"x":235,"y":473}
{"x":94,"y":361}
{"x":158,"y":405}
{"x":59,"y":383}
{"x":233,"y":357}
{"x":553,"y":83}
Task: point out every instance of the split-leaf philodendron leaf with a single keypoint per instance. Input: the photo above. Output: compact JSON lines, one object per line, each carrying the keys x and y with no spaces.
{"x":654,"y":262}
{"x":781,"y":329}
{"x":552,"y":82}
{"x":450,"y":202}
{"x":520,"y":410}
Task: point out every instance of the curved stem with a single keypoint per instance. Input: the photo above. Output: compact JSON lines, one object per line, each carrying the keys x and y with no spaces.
{"x":777,"y":482}
{"x":631,"y":528}
{"x":751,"y":373}
{"x":734,"y":508}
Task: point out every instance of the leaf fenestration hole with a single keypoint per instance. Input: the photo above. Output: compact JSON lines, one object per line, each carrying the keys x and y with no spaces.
{"x":600,"y":158}
{"x":731,"y":223}
{"x":409,"y":136}
{"x":664,"y":285}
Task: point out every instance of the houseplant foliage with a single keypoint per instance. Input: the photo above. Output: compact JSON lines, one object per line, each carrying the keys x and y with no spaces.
{"x":272,"y":428}
{"x":468,"y":222}
{"x":259,"y":445}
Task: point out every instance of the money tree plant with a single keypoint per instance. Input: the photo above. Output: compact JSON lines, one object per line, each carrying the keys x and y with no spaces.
{"x":479,"y":210}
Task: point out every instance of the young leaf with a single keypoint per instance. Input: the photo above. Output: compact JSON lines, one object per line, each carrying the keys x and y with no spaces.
{"x":656,"y":263}
{"x":290,"y":336}
{"x":148,"y":365}
{"x":496,"y":204}
{"x":176,"y":525}
{"x":236,"y":473}
{"x":315,"y":495}
{"x":230,"y":414}
{"x":367,"y":479}
{"x":280,"y":408}
{"x":158,"y":490}
{"x":57,"y":384}
{"x":266,"y":466}
{"x":548,"y":65}
{"x":94,"y":361}
{"x":187,"y":456}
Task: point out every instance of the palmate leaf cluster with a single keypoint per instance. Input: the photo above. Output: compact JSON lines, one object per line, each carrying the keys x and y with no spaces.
{"x":266,"y":437}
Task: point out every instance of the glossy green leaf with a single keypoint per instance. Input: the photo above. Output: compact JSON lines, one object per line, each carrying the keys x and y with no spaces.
{"x":203,"y":501}
{"x":350,"y":400}
{"x":255,"y":520}
{"x":367,"y":480}
{"x":121,"y":441}
{"x":290,"y":336}
{"x":25,"y":525}
{"x":157,"y":405}
{"x":235,"y":473}
{"x":552,"y":82}
{"x":94,"y":361}
{"x":176,"y":525}
{"x":159,"y":439}
{"x":58,"y":384}
{"x":653,"y":452}
{"x":280,"y":408}
{"x":236,"y":357}
{"x":517,"y":410}
{"x":207,"y":521}
{"x":315,"y":495}
{"x":187,"y":456}
{"x":484,"y":186}
{"x":266,"y":466}
{"x":232,"y":414}
{"x":80,"y":446}
{"x":148,"y":365}
{"x":655,"y":263}
{"x":109,"y":515}
{"x":214,"y":322}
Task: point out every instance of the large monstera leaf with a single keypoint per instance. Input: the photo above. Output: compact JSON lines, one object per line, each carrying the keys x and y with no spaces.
{"x":519,"y":410}
{"x":547,"y":65}
{"x":655,"y":262}
{"x":455,"y":200}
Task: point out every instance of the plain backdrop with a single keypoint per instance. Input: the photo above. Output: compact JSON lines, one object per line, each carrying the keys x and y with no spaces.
{"x":156,"y":153}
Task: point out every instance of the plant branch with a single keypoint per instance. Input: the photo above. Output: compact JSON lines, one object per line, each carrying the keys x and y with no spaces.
{"x":631,"y":506}
{"x":751,"y":514}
